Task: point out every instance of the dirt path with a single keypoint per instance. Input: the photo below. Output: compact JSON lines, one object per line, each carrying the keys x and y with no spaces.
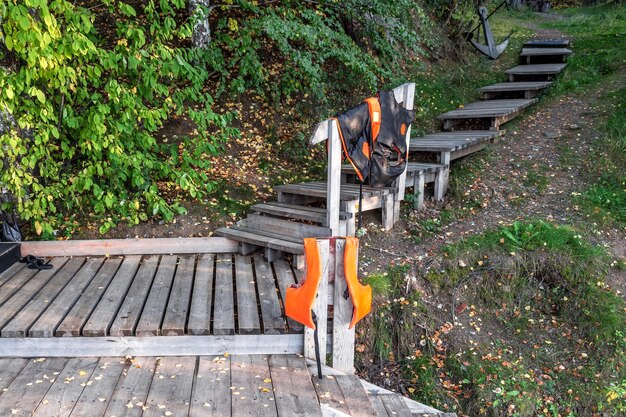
{"x":535,"y":171}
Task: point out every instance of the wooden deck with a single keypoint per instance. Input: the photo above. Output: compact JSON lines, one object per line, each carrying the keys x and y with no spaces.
{"x":189,"y":386}
{"x":527,"y":89}
{"x":537,"y":72}
{"x":495,"y":112}
{"x":152,"y":295}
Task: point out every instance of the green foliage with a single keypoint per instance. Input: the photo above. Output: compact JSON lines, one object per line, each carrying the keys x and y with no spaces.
{"x":605,"y":199}
{"x":89,"y":105}
{"x":562,"y":326}
{"x":311,"y":49}
{"x":600,"y":33}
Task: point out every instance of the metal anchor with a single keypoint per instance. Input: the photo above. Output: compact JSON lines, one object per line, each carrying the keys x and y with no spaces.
{"x":491,"y":50}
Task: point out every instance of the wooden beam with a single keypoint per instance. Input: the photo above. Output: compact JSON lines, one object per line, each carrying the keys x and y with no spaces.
{"x":151,"y":346}
{"x":106,"y":247}
{"x":333,"y":191}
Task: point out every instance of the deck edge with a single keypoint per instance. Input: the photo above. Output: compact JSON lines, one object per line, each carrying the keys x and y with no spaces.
{"x":136,"y":246}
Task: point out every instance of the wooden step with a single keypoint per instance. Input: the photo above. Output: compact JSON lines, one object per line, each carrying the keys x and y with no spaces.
{"x":536,"y":72}
{"x":296,"y":212}
{"x":544,"y":55}
{"x":497,"y":112}
{"x":545,"y":52}
{"x":547,"y":43}
{"x":527,"y":89}
{"x":263,"y":239}
{"x":285,"y":227}
{"x":317,"y":189}
{"x":451,"y":141}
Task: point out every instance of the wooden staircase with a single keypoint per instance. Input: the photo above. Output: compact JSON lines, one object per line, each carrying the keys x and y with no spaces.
{"x":327,"y":208}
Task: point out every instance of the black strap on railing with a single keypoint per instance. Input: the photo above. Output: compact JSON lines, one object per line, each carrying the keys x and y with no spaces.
{"x":360,"y":204}
{"x":317,"y":347}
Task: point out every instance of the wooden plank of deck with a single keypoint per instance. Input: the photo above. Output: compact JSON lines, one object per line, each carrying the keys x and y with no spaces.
{"x":355,"y":396}
{"x":211,"y":395}
{"x":74,"y":320}
{"x":47,"y":323}
{"x":223,"y":306}
{"x":128,"y":315}
{"x":95,"y":398}
{"x":202,"y":298}
{"x":293,"y":389}
{"x":147,"y":346}
{"x":271,"y":312}
{"x":104,"y":313}
{"x":247,"y":309}
{"x":28,"y":388}
{"x":252,"y":395}
{"x":11,"y":271}
{"x":378,"y":405}
{"x":285,"y":278}
{"x":171,"y":386}
{"x":66,"y":388}
{"x":154,"y":309}
{"x":9,"y":369}
{"x":21,"y":297}
{"x":130,"y":394}
{"x":15,"y":283}
{"x":329,"y":393}
{"x":395,"y":406}
{"x":109,"y":247}
{"x":180,"y":297}
{"x":21,"y":321}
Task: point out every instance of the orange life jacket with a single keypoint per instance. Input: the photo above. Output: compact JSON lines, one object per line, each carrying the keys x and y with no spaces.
{"x":299,"y":300}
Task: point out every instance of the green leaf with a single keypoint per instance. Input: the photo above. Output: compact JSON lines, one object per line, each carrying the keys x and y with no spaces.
{"x":9,"y":92}
{"x":513,"y":393}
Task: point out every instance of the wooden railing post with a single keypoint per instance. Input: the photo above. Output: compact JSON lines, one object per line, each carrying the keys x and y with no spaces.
{"x":321,"y":305}
{"x":331,"y":291}
{"x":405,"y":94}
{"x":343,"y":337}
{"x":334,"y":178}
{"x":328,"y":130}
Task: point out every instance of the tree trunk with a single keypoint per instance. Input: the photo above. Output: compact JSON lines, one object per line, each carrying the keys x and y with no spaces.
{"x":199,"y":10}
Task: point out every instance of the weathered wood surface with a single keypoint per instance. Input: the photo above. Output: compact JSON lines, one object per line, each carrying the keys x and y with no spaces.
{"x":491,"y":108}
{"x":186,"y":386}
{"x":451,"y":141}
{"x":262,"y":238}
{"x":111,"y":247}
{"x":537,"y":69}
{"x":154,"y":295}
{"x":547,"y":43}
{"x":545,"y":51}
{"x":515,"y":86}
{"x":296,"y":212}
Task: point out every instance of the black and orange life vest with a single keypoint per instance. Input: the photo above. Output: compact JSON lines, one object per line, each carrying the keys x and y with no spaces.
{"x":373,"y":138}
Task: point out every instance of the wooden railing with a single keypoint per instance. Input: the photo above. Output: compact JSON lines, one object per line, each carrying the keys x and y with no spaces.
{"x":328,"y":130}
{"x":331,"y":292}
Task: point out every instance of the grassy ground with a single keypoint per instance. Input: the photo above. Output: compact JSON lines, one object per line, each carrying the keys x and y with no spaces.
{"x":533,"y":328}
